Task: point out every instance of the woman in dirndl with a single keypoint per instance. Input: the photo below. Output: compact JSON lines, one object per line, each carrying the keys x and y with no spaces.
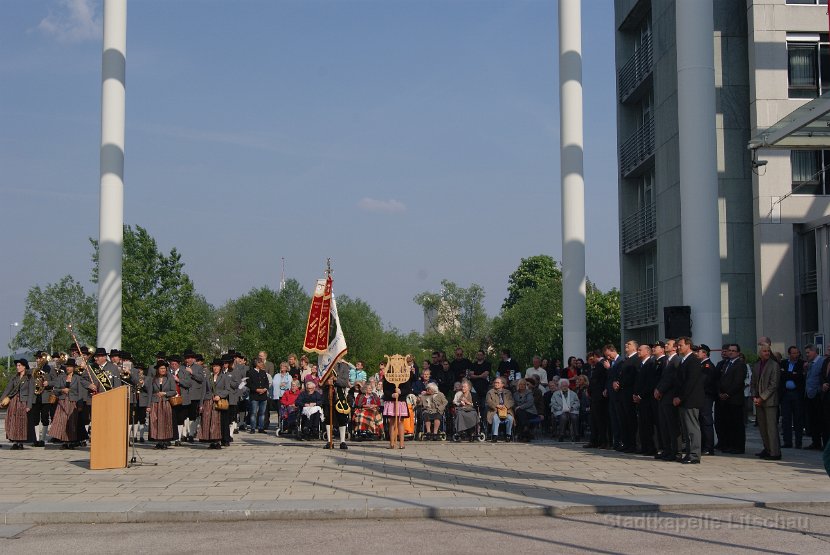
{"x":367,"y":418}
{"x":160,"y":389}
{"x":69,"y":389}
{"x":218,"y":387}
{"x":19,"y":393}
{"x":395,"y":407}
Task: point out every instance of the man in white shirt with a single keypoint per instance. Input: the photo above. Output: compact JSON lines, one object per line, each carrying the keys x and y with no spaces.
{"x":539,"y":372}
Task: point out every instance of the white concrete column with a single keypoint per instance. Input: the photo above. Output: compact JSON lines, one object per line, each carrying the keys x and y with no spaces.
{"x":573,"y":182}
{"x":698,"y":168}
{"x":111,"y":230}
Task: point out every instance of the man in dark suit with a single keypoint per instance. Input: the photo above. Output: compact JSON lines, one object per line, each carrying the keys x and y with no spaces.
{"x":627,"y":383}
{"x":710,"y":393}
{"x":664,"y":393}
{"x":612,"y":364}
{"x":731,"y":402}
{"x":689,"y":399}
{"x":642,"y":398}
{"x":599,"y":401}
{"x":792,"y":392}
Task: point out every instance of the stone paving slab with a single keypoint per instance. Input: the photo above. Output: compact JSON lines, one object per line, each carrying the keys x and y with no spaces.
{"x":265,"y":477}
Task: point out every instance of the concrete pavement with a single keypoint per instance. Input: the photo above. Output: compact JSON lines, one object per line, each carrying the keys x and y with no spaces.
{"x":265,"y":477}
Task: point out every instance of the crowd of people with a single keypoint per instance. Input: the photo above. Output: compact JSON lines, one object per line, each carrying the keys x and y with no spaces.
{"x":667,"y":400}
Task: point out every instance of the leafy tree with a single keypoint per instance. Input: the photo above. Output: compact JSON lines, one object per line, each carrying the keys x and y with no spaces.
{"x":602,"y":312}
{"x":49,"y":310}
{"x":161,"y":310}
{"x":457,"y":318}
{"x":533,"y":272}
{"x":533,"y":325}
{"x":264,"y":320}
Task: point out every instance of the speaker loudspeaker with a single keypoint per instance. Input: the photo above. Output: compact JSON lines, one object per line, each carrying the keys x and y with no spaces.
{"x":677,"y":321}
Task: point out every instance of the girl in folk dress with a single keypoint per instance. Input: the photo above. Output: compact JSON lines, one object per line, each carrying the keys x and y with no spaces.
{"x":160,"y":389}
{"x":395,"y":406}
{"x":19,"y":392}
{"x":69,"y":389}
{"x":218,"y":387}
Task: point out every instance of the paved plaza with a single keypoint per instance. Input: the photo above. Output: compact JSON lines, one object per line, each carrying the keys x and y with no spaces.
{"x":266,"y":477}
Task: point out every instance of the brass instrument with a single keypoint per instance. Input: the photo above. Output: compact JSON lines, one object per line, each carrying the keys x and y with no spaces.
{"x":38,"y":375}
{"x":84,"y":363}
{"x":126,"y":370}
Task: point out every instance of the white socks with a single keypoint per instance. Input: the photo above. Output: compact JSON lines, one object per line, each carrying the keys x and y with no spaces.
{"x":342,"y":434}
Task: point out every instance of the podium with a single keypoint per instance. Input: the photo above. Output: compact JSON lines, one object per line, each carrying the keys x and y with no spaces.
{"x":110,"y":413}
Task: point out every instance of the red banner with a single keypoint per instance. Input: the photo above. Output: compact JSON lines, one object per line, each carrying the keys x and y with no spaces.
{"x":317,"y":328}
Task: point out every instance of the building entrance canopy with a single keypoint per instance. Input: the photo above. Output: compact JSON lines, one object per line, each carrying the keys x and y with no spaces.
{"x":808,"y":128}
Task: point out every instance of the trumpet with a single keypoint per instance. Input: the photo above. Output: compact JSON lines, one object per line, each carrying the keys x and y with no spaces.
{"x":126,"y":371}
{"x":37,"y":373}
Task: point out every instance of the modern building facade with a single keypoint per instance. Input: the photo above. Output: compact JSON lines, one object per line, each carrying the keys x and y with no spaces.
{"x":769,"y":58}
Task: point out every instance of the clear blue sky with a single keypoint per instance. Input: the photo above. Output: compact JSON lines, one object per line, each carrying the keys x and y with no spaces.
{"x":410,"y":141}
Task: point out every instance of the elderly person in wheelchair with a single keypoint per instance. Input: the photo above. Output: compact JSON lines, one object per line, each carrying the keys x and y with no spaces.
{"x":564,"y":404}
{"x":310,"y":403}
{"x":500,"y":409}
{"x":433,"y":403}
{"x":367,"y":418}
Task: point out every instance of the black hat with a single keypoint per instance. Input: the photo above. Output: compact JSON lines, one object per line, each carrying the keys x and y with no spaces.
{"x":74,"y":347}
{"x":85,"y":350}
{"x":227,"y":357}
{"x":22,"y":361}
{"x":660,"y":344}
{"x":200,"y":358}
{"x":159,"y":364}
{"x":126,"y":355}
{"x":56,"y":355}
{"x":161,"y":354}
{"x":216,"y":362}
{"x":115,"y":353}
{"x":703,"y":347}
{"x":100,"y":352}
{"x":188,"y":353}
{"x":70,"y":362}
{"x":174,"y":358}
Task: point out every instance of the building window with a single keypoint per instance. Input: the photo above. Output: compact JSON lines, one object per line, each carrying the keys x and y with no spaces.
{"x":809,"y":171}
{"x":808,"y":66}
{"x":807,"y":2}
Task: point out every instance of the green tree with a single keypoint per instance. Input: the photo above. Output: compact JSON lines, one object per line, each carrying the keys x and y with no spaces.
{"x":533,"y":272}
{"x":264,"y":320}
{"x":602,"y":312}
{"x":457,"y":318}
{"x":49,"y":310}
{"x":533,"y":325}
{"x":161,"y":310}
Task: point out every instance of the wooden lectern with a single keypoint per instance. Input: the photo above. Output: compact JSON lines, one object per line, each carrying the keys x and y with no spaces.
{"x":110,"y":413}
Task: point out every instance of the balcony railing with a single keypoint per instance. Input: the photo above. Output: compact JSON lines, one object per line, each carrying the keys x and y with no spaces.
{"x":635,"y":70}
{"x":639,"y":228}
{"x":638,"y":148}
{"x":640,"y":308}
{"x":808,"y":282}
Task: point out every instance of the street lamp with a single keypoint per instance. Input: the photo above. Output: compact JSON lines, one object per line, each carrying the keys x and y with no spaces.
{"x":11,"y":334}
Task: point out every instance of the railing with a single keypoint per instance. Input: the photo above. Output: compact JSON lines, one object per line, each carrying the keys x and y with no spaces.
{"x":640,"y":308}
{"x":635,"y":70}
{"x":808,"y":282}
{"x":638,"y":148}
{"x":639,"y":228}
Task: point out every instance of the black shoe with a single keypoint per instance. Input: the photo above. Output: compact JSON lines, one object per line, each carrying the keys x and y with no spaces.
{"x":590,"y":446}
{"x":159,"y":446}
{"x":190,"y":439}
{"x":814,"y":447}
{"x":261,"y":432}
{"x":787,"y":446}
{"x":141,"y":440}
{"x":561,"y":439}
{"x":225,"y":444}
{"x":343,"y":445}
{"x":771,"y":457}
{"x":690,"y":461}
{"x":762,"y":454}
{"x":710,"y":452}
{"x":494,"y":439}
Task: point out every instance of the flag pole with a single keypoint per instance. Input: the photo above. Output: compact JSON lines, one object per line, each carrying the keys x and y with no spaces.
{"x":331,"y":377}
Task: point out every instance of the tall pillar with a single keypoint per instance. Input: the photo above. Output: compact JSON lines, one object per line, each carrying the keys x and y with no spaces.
{"x":699,"y":228}
{"x":573,"y":182}
{"x":111,"y":227}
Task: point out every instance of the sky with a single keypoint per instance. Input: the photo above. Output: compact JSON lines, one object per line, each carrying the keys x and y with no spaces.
{"x":410,"y":141}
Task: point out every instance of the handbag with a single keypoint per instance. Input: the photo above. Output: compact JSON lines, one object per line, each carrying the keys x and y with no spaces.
{"x":502,"y":412}
{"x":53,"y":399}
{"x":176,"y":401}
{"x":221,"y":404}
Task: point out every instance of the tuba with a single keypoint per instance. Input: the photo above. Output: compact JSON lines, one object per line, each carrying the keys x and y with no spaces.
{"x":37,"y":373}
